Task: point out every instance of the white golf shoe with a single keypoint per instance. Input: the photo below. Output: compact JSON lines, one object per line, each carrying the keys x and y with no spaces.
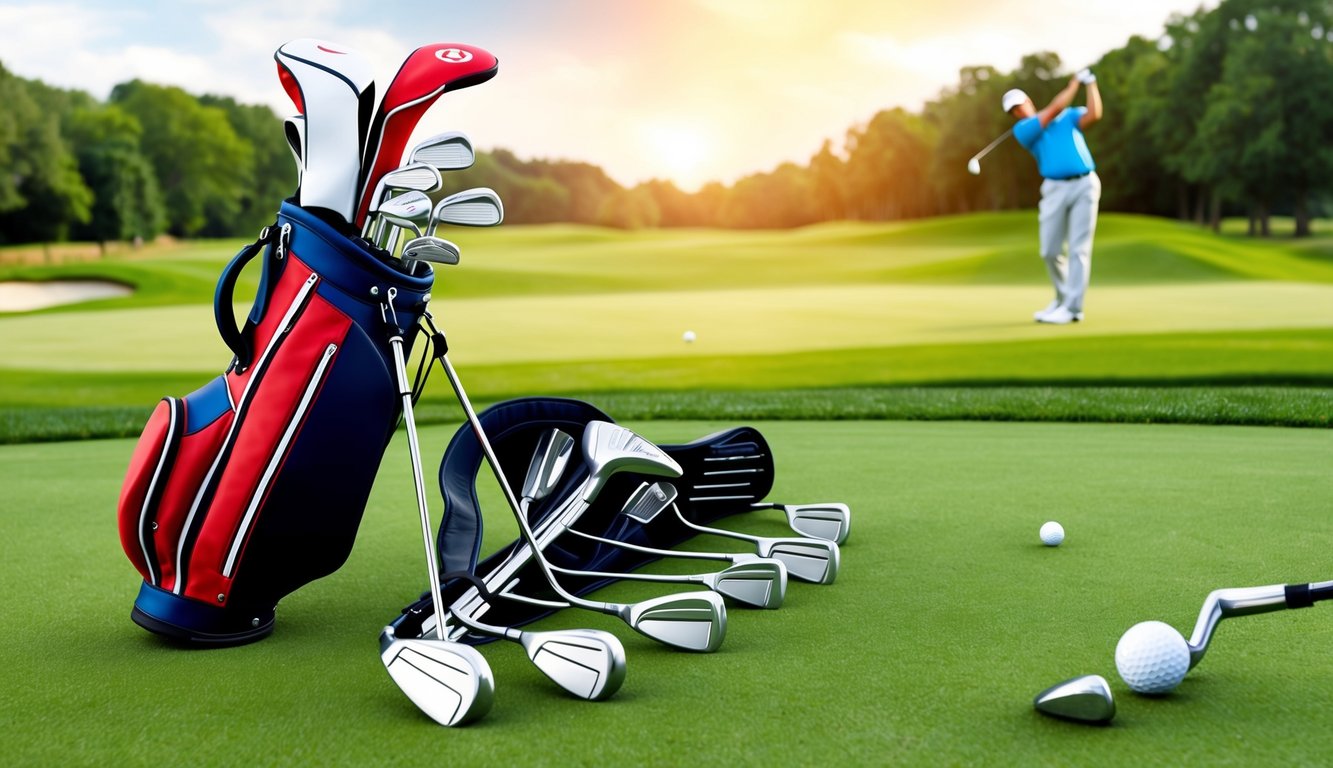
{"x":1059,"y":316}
{"x":1055,"y":303}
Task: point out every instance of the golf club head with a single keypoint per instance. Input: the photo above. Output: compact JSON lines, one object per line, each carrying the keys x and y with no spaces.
{"x":433,"y":249}
{"x":974,"y":167}
{"x":812,"y":560}
{"x":1085,"y":699}
{"x":409,"y":211}
{"x":760,"y":583}
{"x":648,"y":501}
{"x":586,"y":662}
{"x":1225,"y":603}
{"x":549,"y":460}
{"x":419,"y":177}
{"x":449,"y":151}
{"x":694,"y":621}
{"x":477,"y":207}
{"x":609,"y":448}
{"x":831,"y":521}
{"x":450,"y":682}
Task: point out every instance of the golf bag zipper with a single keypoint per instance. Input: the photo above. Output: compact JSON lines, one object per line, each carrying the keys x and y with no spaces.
{"x":156,"y":485}
{"x":279,"y":452}
{"x":207,"y":489}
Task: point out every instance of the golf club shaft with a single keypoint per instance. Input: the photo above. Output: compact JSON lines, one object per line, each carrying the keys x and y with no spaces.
{"x":1249,"y":601}
{"x":650,"y":550}
{"x":414,"y":450}
{"x":993,"y":144}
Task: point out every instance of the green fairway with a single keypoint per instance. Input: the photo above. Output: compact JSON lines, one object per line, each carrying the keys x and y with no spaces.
{"x":947,"y":618}
{"x":566,"y":309}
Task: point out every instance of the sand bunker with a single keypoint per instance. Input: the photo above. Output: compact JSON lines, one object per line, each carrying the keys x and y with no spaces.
{"x":20,"y":296}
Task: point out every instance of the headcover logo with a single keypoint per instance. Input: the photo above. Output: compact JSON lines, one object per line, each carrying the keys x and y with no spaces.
{"x":326,"y":49}
{"x":453,"y":56}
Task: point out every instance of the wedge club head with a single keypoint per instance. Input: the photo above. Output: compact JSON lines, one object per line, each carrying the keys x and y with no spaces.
{"x":588,"y":663}
{"x":433,"y":249}
{"x":450,"y":682}
{"x":760,"y":584}
{"x":694,"y":621}
{"x":1085,"y":699}
{"x":479,"y":207}
{"x":831,"y":521}
{"x":449,"y":151}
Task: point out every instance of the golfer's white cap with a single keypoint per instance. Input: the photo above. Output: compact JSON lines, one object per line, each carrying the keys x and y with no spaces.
{"x":1012,"y":98}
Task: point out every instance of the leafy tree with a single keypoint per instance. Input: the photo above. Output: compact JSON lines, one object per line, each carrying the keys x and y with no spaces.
{"x":629,"y":209}
{"x":271,"y":172}
{"x":127,"y":202}
{"x":202,"y":166}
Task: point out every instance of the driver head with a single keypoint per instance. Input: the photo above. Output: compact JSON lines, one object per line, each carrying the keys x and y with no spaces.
{"x":610,"y":448}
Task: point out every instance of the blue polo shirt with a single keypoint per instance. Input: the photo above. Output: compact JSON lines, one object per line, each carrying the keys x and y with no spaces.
{"x":1060,"y":149}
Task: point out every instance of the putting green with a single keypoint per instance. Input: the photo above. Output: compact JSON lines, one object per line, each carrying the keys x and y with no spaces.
{"x":947,"y":618}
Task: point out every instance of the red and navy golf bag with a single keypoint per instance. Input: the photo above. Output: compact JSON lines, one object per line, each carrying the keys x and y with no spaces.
{"x":254,"y":485}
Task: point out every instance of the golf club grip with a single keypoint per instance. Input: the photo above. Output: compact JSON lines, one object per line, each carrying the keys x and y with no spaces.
{"x":1306,"y":595}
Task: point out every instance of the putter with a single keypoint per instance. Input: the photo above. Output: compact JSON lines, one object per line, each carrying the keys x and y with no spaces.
{"x":1248,"y":601}
{"x":974,"y":165}
{"x":1086,"y":699}
{"x":479,"y":207}
{"x":449,"y":151}
{"x":334,"y":89}
{"x":813,"y":560}
{"x":761,"y":583}
{"x":425,"y":74}
{"x":693,"y":621}
{"x":587,"y":663}
{"x":419,"y":177}
{"x":450,"y":682}
{"x":432,"y":249}
{"x":831,"y":521}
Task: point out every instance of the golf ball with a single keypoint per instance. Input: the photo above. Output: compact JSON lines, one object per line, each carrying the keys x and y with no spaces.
{"x":688,"y":337}
{"x":1152,"y":657}
{"x":1052,"y":534}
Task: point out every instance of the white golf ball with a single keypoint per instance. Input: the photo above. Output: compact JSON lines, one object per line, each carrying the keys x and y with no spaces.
{"x":1052,"y":534}
{"x":688,"y":337}
{"x":1152,"y":657}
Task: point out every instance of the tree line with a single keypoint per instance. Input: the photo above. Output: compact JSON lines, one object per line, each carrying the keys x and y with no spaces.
{"x":1227,"y":112}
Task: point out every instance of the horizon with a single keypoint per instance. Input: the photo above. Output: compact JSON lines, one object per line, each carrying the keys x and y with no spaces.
{"x":643,"y":92}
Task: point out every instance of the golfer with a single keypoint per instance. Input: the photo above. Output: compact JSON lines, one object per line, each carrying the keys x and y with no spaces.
{"x":1070,"y":192}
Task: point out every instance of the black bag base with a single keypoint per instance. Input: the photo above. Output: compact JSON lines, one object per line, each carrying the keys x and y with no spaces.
{"x":192,"y":623}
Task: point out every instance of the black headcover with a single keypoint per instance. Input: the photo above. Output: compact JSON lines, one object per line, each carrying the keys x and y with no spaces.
{"x":724,"y":473}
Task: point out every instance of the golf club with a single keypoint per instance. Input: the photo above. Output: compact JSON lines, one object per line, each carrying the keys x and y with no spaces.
{"x":419,"y":177}
{"x":587,"y":663}
{"x":333,"y":88}
{"x":433,"y":249}
{"x":831,"y":521}
{"x":448,"y":681}
{"x":974,"y":165}
{"x":407,"y":211}
{"x":1248,"y":601}
{"x":478,"y":207}
{"x":425,"y":74}
{"x":761,"y":583}
{"x":813,"y":560}
{"x":449,"y":151}
{"x":731,"y":557}
{"x":693,"y":621}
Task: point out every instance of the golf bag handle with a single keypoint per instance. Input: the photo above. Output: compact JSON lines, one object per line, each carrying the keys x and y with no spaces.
{"x":223,"y":310}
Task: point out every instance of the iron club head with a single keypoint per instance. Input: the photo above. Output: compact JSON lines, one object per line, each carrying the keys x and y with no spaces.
{"x":549,"y":460}
{"x":1086,"y":699}
{"x":408,"y":211}
{"x":433,"y":249}
{"x":449,"y":151}
{"x":609,"y":448}
{"x":450,"y":682}
{"x":588,"y":663}
{"x":479,"y":207}
{"x":694,"y":621}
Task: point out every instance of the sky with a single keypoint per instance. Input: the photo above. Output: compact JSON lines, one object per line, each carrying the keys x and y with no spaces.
{"x":686,"y":90}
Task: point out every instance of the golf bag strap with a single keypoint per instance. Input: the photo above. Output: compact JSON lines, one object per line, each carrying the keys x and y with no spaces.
{"x":223,"y":297}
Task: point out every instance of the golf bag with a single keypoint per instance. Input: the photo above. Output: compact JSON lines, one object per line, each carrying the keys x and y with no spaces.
{"x":514,"y":427}
{"x":254,"y":485}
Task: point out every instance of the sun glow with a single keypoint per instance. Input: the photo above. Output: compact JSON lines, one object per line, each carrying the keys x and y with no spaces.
{"x":680,"y":152}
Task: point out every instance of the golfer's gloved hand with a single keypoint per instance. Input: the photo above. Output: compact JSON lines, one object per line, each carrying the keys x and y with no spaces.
{"x":1085,"y":76}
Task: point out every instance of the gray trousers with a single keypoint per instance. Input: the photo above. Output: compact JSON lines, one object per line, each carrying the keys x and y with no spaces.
{"x":1068,"y":211}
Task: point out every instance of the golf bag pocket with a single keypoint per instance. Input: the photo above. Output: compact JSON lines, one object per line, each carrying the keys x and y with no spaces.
{"x":254,"y":485}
